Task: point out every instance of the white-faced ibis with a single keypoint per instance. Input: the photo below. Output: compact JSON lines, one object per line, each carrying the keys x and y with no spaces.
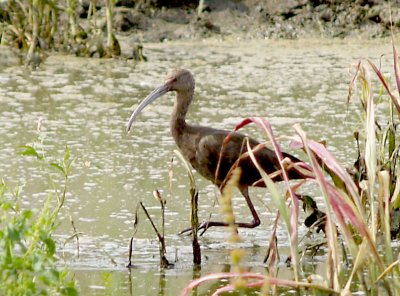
{"x":201,"y":146}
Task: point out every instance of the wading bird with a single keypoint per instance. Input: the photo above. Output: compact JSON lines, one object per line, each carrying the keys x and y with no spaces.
{"x":201,"y":146}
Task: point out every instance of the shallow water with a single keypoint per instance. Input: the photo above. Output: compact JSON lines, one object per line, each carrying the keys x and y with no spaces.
{"x":85,"y":104}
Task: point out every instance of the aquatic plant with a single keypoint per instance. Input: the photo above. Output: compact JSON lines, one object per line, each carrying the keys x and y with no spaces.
{"x":161,"y":236}
{"x":28,"y":260}
{"x":113,"y":47}
{"x":362,"y":204}
{"x":194,"y":202}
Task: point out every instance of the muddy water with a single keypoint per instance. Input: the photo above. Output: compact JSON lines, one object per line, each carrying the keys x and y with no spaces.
{"x":85,"y":104}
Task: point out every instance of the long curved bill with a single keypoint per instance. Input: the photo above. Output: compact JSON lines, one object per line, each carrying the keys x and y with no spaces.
{"x":155,"y":94}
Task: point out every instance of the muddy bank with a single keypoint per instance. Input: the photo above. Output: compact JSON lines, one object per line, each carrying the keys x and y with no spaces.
{"x":251,"y":19}
{"x":89,"y":32}
{"x":160,"y":20}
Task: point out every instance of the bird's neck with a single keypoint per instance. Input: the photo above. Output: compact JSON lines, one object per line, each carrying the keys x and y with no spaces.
{"x":178,"y":122}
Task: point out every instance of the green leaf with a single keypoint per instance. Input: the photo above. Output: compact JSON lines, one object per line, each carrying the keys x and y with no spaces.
{"x":29,"y":151}
{"x":27,"y":214}
{"x":57,"y":166}
{"x":69,"y":291}
{"x":50,"y":244}
{"x":13,"y":234}
{"x":392,"y":140}
{"x":67,"y":154}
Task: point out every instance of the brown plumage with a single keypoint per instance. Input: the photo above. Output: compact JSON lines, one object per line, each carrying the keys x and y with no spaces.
{"x":201,"y":146}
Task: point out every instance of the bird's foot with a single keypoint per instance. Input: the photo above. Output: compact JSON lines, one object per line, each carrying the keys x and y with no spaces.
{"x":186,"y":231}
{"x":202,"y":228}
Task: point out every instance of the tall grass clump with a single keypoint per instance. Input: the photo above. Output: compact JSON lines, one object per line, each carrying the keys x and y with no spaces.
{"x":362,"y":203}
{"x":28,"y":260}
{"x":37,"y":26}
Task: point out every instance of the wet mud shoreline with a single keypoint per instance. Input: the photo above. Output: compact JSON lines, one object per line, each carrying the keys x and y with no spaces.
{"x":90,"y":33}
{"x":254,"y":19}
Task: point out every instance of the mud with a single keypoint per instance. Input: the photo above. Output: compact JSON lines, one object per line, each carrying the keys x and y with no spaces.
{"x":157,"y":21}
{"x":151,"y":21}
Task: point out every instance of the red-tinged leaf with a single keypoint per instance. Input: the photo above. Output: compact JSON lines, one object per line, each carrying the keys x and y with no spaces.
{"x":325,"y":155}
{"x":353,"y":81}
{"x":383,"y":81}
{"x":218,"y":276}
{"x":323,"y":184}
{"x":272,"y":252}
{"x":244,"y":122}
{"x":340,"y":207}
{"x":237,"y":127}
{"x":276,"y":197}
{"x":346,"y":208}
{"x":259,"y":279}
{"x":231,"y":288}
{"x":341,"y":210}
{"x":330,"y":161}
{"x":340,"y":218}
{"x":226,"y":141}
{"x":396,"y":67}
{"x":265,"y":126}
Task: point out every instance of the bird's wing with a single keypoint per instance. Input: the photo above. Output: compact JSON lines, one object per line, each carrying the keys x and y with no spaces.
{"x":209,"y":153}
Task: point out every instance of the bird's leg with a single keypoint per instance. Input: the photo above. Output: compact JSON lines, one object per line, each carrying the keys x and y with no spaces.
{"x":256,"y":220}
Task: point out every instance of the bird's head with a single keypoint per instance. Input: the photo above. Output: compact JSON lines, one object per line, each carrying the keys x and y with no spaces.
{"x":181,"y":81}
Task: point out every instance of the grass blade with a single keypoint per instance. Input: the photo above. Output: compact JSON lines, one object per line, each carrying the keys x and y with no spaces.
{"x":341,"y":206}
{"x":290,"y":214}
{"x":260,"y":279}
{"x":396,"y":66}
{"x":332,"y":164}
{"x":383,"y":81}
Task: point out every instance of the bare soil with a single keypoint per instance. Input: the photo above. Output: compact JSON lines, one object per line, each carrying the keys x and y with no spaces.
{"x":144,"y":21}
{"x":157,"y":21}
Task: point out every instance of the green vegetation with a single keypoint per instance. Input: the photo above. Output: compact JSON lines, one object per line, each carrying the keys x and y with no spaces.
{"x":161,"y":236}
{"x":194,"y":219}
{"x":37,"y":26}
{"x":362,"y":204}
{"x":28,"y":260}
